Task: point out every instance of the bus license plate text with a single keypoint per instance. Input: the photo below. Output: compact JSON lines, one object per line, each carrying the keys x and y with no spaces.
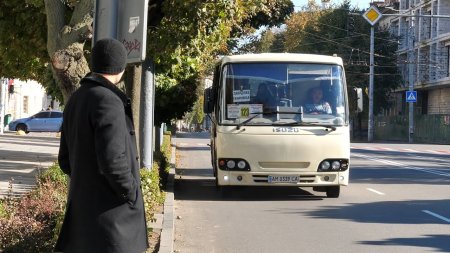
{"x":283,"y":179}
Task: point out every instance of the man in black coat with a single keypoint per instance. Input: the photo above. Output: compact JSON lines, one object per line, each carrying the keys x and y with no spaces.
{"x":105,"y":209}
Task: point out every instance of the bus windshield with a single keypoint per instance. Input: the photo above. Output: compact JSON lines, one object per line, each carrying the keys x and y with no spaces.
{"x":283,"y":93}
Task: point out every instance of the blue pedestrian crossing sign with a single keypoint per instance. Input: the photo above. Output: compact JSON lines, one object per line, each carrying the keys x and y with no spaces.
{"x":411,"y":96}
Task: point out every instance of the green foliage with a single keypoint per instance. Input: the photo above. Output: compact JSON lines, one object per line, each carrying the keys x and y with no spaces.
{"x":196,"y":115}
{"x":3,"y":210}
{"x":23,"y":52}
{"x":151,"y":191}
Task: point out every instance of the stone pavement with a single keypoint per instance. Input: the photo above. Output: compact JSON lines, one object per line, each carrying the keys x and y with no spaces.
{"x":22,"y":156}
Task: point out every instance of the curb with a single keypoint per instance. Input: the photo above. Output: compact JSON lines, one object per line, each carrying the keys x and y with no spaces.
{"x":168,"y":225}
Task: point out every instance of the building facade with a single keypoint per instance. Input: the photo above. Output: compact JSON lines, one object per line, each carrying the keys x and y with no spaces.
{"x":423,"y":53}
{"x":24,"y":98}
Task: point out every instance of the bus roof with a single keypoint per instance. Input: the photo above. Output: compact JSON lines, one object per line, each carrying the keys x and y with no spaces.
{"x":282,"y":57}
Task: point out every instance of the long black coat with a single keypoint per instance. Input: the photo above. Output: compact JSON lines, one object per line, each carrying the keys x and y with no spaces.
{"x":105,"y":209}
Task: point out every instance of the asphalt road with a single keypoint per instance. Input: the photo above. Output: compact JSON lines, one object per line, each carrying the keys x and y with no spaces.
{"x":398,"y":200}
{"x":20,"y":159}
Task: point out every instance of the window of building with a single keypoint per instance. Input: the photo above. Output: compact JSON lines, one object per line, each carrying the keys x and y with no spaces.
{"x":25,"y":104}
{"x":448,"y":61}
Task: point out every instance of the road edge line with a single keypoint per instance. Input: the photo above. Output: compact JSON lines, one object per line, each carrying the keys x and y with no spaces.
{"x":166,"y":240}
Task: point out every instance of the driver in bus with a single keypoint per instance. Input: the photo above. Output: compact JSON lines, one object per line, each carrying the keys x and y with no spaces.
{"x":315,"y":103}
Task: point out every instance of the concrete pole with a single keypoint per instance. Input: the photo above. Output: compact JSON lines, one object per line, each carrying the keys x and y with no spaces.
{"x":371,"y":80}
{"x":147,"y":113}
{"x":411,"y":81}
{"x":2,"y":103}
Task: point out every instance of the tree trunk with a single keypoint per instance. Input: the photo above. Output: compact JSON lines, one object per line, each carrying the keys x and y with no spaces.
{"x":65,"y":42}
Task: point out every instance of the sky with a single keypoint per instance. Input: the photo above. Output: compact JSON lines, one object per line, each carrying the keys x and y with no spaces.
{"x":362,"y":4}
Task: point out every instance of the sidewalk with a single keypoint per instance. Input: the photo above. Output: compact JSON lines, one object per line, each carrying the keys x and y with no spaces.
{"x":22,"y":156}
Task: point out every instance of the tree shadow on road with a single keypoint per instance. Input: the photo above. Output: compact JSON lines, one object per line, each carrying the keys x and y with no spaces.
{"x":387,"y":174}
{"x":399,"y":212}
{"x":440,"y":243}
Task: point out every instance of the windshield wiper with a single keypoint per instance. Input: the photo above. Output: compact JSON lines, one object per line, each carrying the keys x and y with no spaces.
{"x":256,"y":114}
{"x":265,"y":113}
{"x":301,"y":123}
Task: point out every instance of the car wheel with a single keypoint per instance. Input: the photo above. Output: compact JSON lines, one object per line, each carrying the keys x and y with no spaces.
{"x":22,"y":127}
{"x":333,"y":191}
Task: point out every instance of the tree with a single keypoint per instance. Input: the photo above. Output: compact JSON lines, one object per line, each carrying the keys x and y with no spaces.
{"x":317,"y":31}
{"x":184,"y":38}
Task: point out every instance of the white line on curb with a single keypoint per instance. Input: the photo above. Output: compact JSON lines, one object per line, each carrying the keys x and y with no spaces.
{"x":375,"y":191}
{"x":437,"y":216}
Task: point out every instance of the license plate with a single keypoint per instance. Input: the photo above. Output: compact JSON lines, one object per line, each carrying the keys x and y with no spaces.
{"x":283,"y":179}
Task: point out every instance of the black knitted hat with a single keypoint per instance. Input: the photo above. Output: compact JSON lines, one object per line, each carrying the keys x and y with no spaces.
{"x":109,"y":56}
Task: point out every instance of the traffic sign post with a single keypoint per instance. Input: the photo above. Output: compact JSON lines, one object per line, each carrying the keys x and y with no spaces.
{"x":372,"y":15}
{"x":124,"y":20}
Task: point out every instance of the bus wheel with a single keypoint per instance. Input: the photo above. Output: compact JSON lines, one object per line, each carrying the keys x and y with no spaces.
{"x":333,"y":191}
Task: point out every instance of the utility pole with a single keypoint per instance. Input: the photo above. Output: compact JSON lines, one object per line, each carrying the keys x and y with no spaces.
{"x":2,"y":103}
{"x":126,"y":21}
{"x":147,"y":113}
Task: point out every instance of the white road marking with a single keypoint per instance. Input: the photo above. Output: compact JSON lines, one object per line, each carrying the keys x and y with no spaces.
{"x":388,"y":149}
{"x":431,"y":171}
{"x":433,"y":152}
{"x":437,"y":216}
{"x":375,"y":191}
{"x":412,"y":150}
{"x":429,"y":158}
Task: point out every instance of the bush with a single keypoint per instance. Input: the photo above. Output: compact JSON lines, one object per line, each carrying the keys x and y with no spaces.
{"x":32,"y":223}
{"x":151,"y":191}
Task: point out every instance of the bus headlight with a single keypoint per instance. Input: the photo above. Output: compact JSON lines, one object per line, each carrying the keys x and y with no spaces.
{"x":241,"y":164}
{"x":335,"y":165}
{"x":231,"y":164}
{"x":325,"y":165}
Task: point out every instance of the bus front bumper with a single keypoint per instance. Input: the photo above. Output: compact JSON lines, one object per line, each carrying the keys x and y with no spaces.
{"x":298,"y":179}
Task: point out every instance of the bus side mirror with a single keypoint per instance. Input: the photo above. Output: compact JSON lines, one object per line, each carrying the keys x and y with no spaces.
{"x":359,"y":99}
{"x":208,"y":101}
